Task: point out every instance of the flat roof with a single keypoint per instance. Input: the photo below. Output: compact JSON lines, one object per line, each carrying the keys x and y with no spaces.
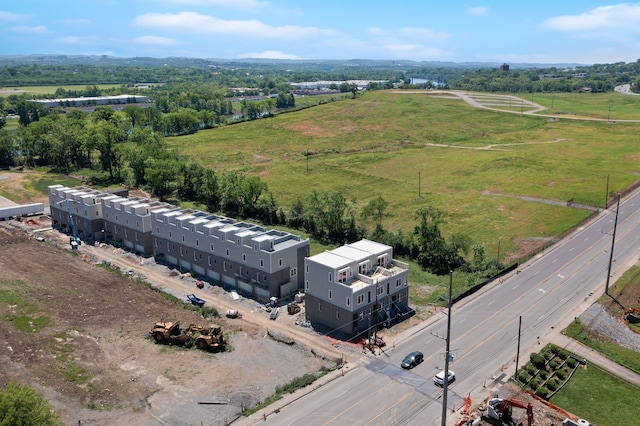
{"x":330,"y":259}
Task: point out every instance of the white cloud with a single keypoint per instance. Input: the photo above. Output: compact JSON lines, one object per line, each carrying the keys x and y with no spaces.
{"x":12,"y":17}
{"x":76,"y":40}
{"x":479,"y":10}
{"x":238,"y":4}
{"x":40,"y":29}
{"x":618,"y":16}
{"x":204,"y":24}
{"x":270,"y":54}
{"x":423,"y":34}
{"x":155,"y":41}
{"x":79,"y":21}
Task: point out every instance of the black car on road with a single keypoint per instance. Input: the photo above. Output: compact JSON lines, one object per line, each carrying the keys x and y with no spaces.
{"x":413,"y":359}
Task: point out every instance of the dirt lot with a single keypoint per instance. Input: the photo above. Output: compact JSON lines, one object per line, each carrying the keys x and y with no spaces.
{"x":94,"y":362}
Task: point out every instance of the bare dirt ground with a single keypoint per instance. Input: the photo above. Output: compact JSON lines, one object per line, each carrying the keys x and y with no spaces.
{"x":98,"y":330}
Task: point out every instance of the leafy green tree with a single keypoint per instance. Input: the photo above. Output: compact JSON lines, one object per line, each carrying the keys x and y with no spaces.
{"x":210,"y":194}
{"x":431,"y":250}
{"x":376,"y":209}
{"x":162,"y":176}
{"x":192,"y":181}
{"x":21,"y":405}
{"x":8,"y":149}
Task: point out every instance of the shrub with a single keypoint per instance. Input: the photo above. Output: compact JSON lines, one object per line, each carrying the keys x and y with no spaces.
{"x":563,"y":354}
{"x":523,"y":376}
{"x":533,"y":384}
{"x":552,"y":384}
{"x":544,"y":374}
{"x":548,"y":354}
{"x":553,"y":364}
{"x":561,"y":374}
{"x":537,"y":360}
{"x":571,"y":363}
{"x":542,"y":392}
{"x":531,"y":369}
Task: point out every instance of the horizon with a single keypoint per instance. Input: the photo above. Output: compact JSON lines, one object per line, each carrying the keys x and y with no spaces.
{"x":493,"y":31}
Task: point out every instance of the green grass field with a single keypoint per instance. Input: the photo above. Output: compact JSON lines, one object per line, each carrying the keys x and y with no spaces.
{"x":599,"y":397}
{"x":412,"y":148}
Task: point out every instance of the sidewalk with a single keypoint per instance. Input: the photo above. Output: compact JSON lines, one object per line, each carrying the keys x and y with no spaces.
{"x":596,"y":358}
{"x":289,"y":398}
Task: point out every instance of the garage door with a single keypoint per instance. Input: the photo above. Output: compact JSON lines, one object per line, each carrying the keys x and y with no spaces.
{"x":171,"y":260}
{"x":185,"y":265}
{"x":198,"y":270}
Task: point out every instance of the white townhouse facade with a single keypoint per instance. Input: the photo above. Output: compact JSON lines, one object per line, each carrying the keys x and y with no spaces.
{"x":354,"y":288}
{"x":242,"y":256}
{"x":83,"y":204}
{"x":246,"y":257}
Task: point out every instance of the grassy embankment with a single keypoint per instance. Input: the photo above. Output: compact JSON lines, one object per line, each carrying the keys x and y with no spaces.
{"x":378,"y":145}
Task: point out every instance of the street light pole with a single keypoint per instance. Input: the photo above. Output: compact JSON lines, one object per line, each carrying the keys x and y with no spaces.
{"x":613,"y":241}
{"x":447,"y":355}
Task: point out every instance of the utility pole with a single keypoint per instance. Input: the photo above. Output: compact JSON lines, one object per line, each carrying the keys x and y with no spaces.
{"x":613,"y":241}
{"x":518,"y":350}
{"x":447,"y":355}
{"x":606,"y":197}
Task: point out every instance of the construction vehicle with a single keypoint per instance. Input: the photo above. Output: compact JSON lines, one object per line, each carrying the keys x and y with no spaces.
{"x":293,"y":308}
{"x":500,"y":409}
{"x":233,"y":313}
{"x":170,"y":333}
{"x":211,"y":339}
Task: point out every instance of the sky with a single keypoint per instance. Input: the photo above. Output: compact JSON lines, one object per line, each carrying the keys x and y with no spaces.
{"x":496,"y":31}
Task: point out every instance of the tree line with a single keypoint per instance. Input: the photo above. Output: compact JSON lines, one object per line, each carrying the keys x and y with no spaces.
{"x":123,"y":146}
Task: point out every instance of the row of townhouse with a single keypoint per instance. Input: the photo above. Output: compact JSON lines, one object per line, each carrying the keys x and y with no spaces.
{"x":246,"y":257}
{"x":349,"y":290}
{"x":356,"y":288}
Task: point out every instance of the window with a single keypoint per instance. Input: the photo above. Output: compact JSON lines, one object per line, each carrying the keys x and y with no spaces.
{"x":224,"y":265}
{"x":348,"y":301}
{"x":261,"y":263}
{"x":194,"y":256}
{"x":379,"y":290}
{"x":180,"y":251}
{"x":169,"y":234}
{"x":320,"y":307}
{"x":363,"y":268}
{"x":360,"y":299}
{"x":125,"y":233}
{"x":127,"y":221}
{"x":156,"y":243}
{"x":294,"y":272}
{"x":330,"y":295}
{"x":398,"y":282}
{"x":244,"y":257}
{"x":306,"y":268}
{"x":382,"y":260}
{"x":136,"y":236}
{"x":342,"y":276}
{"x":211,"y":246}
{"x":361,"y":315}
{"x":255,"y":247}
{"x":279,"y":262}
{"x":183,"y":238}
{"x":238,"y":241}
{"x":209,"y":260}
{"x":330,"y":277}
{"x":337,"y":314}
{"x":227,"y":252}
{"x":306,"y":285}
{"x":168,"y":249}
{"x":197,"y":242}
{"x":157,"y":230}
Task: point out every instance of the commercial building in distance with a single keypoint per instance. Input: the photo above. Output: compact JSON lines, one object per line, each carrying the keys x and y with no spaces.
{"x":355,"y":288}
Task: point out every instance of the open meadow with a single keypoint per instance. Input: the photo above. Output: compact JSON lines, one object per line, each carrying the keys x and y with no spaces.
{"x":503,"y":179}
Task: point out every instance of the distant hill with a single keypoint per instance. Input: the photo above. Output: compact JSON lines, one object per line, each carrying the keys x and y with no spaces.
{"x":98,"y":60}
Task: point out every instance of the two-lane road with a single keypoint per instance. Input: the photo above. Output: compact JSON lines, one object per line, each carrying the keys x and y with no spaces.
{"x":548,"y":293}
